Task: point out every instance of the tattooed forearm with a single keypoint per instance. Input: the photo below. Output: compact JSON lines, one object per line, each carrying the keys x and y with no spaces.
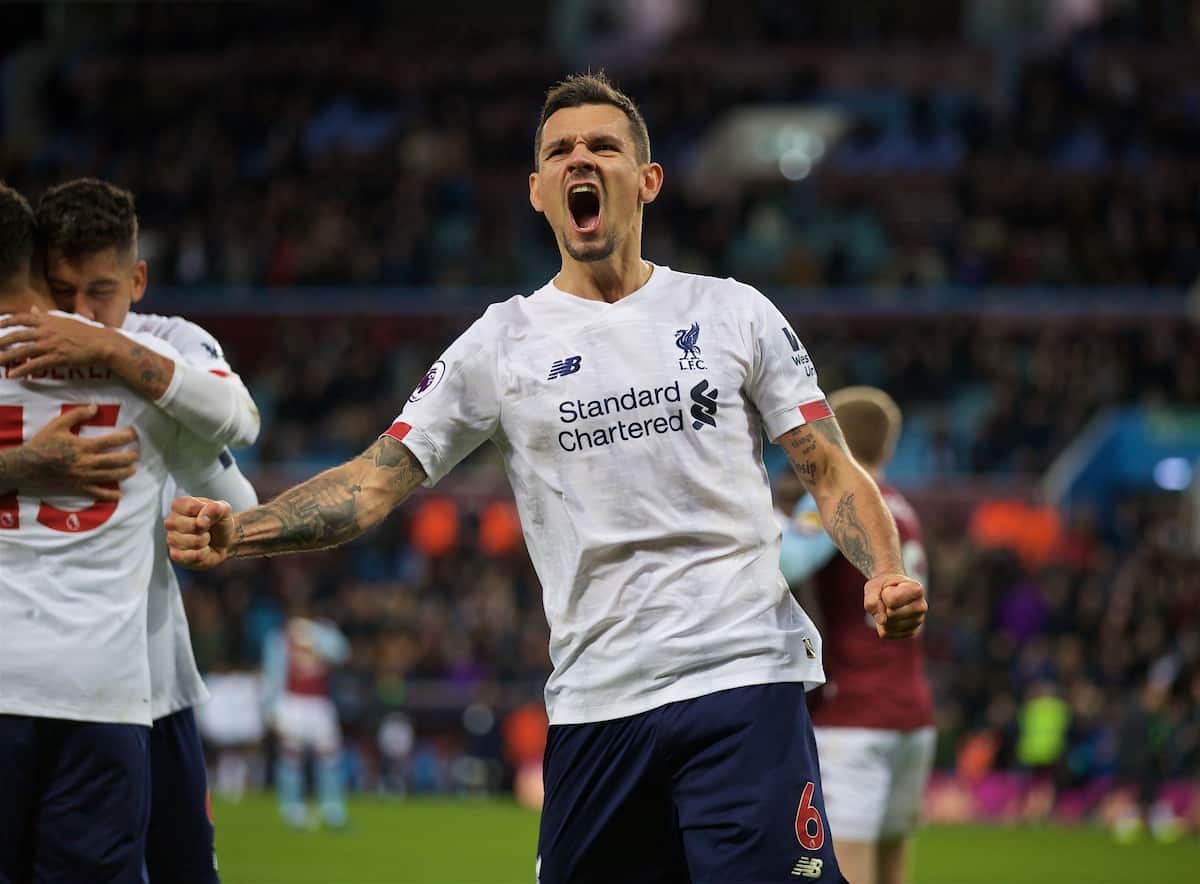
{"x":16,"y":464}
{"x":851,"y":507}
{"x":333,"y":507}
{"x":319,"y":513}
{"x":49,"y":459}
{"x":146,"y":371}
{"x":851,"y":537}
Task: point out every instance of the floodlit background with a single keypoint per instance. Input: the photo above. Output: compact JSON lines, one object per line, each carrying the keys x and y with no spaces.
{"x":991,"y":209}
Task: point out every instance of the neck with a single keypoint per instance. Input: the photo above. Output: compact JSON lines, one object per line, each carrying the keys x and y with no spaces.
{"x":22,"y":300}
{"x":617,"y":276}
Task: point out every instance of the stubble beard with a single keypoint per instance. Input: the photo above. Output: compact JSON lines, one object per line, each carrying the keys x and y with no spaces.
{"x":592,"y":251}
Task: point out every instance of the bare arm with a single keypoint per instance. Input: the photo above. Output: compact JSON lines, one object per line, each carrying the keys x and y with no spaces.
{"x":327,"y":510}
{"x":851,"y":506}
{"x":49,"y":341}
{"x":143,"y":371}
{"x":218,"y":408}
{"x":858,"y":521}
{"x":59,"y":456}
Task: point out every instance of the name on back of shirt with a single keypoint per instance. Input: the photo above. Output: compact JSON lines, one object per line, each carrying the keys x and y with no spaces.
{"x":92,"y":372}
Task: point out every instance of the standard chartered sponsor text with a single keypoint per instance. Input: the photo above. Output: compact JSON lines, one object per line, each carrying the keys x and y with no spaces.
{"x":584,"y":438}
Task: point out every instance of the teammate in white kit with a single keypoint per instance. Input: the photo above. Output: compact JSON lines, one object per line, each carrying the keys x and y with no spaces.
{"x":87,"y":231}
{"x":629,"y":403}
{"x":75,"y":698}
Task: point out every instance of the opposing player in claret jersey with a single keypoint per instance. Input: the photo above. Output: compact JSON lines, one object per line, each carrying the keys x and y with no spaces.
{"x":87,"y":231}
{"x":629,"y":403}
{"x":874,"y":716}
{"x":296,"y":666}
{"x":75,"y":692}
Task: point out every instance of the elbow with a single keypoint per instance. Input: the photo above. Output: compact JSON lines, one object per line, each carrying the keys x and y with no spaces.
{"x":244,"y":428}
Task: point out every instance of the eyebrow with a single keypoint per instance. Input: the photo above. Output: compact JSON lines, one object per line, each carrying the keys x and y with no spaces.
{"x":590,"y":138}
{"x":103,"y":282}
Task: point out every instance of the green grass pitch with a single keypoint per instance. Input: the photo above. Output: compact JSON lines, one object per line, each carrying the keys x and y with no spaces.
{"x":493,"y":842}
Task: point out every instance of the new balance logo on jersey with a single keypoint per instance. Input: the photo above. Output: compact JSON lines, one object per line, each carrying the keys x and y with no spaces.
{"x":211,"y":349}
{"x":686,"y":339}
{"x":800,"y":356}
{"x":564,"y":367}
{"x":808,"y":867}
{"x":705,"y":407}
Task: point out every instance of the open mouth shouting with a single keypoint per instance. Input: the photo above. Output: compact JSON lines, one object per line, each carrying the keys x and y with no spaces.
{"x":583,"y":203}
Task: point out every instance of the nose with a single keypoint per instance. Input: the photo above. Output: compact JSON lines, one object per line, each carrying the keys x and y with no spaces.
{"x":82,"y":308}
{"x":580,"y":158}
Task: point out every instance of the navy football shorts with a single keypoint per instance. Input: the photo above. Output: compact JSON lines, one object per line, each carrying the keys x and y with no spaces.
{"x":179,"y":842}
{"x":720,"y":789}
{"x":75,"y":801}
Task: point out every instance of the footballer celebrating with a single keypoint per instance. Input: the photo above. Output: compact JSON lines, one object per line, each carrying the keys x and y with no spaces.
{"x":628,"y":401}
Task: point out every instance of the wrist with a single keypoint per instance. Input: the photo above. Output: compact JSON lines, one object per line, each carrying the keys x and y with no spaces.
{"x":17,"y":464}
{"x":237,"y":533}
{"x":107,"y":347}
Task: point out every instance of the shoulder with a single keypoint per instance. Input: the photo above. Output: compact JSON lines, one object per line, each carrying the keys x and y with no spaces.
{"x":726,"y":294}
{"x":144,"y":338}
{"x":181,"y":333}
{"x":502,"y":321}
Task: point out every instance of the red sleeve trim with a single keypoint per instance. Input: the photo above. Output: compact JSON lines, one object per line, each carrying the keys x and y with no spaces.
{"x":815,"y":411}
{"x":398,"y":430}
{"x":218,"y":372}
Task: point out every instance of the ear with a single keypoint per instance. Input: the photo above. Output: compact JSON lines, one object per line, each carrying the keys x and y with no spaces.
{"x":535,"y":198}
{"x":651,"y":183}
{"x":140,"y":273}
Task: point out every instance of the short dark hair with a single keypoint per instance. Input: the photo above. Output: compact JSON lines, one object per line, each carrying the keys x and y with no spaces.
{"x":17,"y":235}
{"x":86,"y":216}
{"x":580,"y":89}
{"x":870,"y":420}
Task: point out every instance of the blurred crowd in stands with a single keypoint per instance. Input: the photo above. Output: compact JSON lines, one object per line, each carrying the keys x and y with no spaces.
{"x":356,"y":148}
{"x":360,"y":145}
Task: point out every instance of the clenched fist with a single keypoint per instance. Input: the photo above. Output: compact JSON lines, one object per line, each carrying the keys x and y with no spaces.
{"x":200,"y":532}
{"x":897,"y":605}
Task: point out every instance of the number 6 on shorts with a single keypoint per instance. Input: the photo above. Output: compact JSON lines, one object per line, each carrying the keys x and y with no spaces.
{"x":810,"y":828}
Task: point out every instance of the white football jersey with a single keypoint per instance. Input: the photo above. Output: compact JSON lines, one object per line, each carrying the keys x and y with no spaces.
{"x":632,"y":435}
{"x":175,"y":681}
{"x":74,"y":572}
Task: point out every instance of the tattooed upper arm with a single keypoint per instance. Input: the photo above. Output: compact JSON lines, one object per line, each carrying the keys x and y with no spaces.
{"x":393,"y":467}
{"x":809,"y":447}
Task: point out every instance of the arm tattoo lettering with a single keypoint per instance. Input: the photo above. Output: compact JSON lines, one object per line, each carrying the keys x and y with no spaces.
{"x":802,"y":447}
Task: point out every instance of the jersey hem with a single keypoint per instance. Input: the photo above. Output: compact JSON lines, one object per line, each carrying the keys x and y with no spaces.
{"x":564,"y":713}
{"x":425,"y":451}
{"x":178,"y":702}
{"x":41,"y":710}
{"x":789,"y":418}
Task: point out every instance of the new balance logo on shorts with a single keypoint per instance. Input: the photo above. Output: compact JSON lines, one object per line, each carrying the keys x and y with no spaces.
{"x":564,"y":367}
{"x":808,"y":867}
